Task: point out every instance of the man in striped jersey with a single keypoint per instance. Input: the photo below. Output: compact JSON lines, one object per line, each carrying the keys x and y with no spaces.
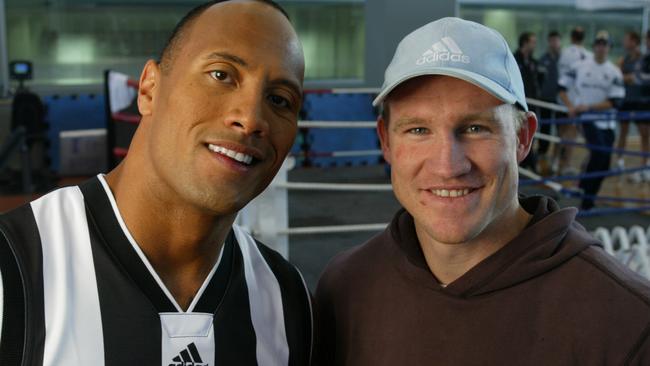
{"x":144,"y":266}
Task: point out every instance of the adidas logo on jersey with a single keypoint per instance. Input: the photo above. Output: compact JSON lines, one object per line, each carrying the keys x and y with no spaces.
{"x":445,"y":50}
{"x":188,"y":357}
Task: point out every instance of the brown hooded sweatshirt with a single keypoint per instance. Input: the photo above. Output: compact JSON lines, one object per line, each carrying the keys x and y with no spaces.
{"x":551,"y":296}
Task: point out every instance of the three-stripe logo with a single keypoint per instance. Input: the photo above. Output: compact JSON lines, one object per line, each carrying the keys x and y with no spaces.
{"x":188,"y":357}
{"x":444,"y":50}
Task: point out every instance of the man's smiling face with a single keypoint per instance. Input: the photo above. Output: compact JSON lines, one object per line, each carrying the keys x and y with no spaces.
{"x":223,"y":114}
{"x":453,"y":150}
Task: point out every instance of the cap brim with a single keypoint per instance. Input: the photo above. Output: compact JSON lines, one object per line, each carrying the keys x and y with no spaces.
{"x":481,"y":81}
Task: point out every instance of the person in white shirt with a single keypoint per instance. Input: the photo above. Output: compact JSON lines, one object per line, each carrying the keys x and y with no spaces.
{"x":569,"y":56}
{"x":597,"y":85}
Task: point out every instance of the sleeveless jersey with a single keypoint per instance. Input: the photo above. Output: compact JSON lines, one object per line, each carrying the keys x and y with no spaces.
{"x":79,"y":291}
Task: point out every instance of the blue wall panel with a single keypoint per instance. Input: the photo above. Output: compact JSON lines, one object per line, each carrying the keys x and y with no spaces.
{"x":88,"y":111}
{"x":340,"y":107}
{"x":72,"y":112}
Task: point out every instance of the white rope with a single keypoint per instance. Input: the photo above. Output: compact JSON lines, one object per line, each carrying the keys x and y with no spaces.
{"x":337,"y":124}
{"x":356,"y":153}
{"x":314,"y":186}
{"x":373,"y":124}
{"x":555,"y":186}
{"x":550,"y":138}
{"x":334,"y":186}
{"x":332,"y":229}
{"x":339,"y":154}
{"x":547,"y":105}
{"x":536,"y":102}
{"x":344,"y":91}
{"x":356,"y":90}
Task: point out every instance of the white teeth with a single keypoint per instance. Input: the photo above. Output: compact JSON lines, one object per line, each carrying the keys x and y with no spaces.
{"x":450,"y":192}
{"x":240,"y":157}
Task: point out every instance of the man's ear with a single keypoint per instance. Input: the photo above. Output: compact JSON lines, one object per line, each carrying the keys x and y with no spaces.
{"x":382,"y":132}
{"x":525,"y":136}
{"x":149,"y":80}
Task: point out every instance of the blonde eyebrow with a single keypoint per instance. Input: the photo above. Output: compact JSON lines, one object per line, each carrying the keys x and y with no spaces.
{"x":407,"y":121}
{"x":488,"y":116}
{"x":485,"y":116}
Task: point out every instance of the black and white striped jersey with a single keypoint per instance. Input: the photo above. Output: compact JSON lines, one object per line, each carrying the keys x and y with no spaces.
{"x":79,"y":291}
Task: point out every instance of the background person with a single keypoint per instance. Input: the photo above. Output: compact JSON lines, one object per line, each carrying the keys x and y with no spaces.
{"x":597,"y":85}
{"x":529,"y":68}
{"x":570,"y":55}
{"x":630,"y":65}
{"x":144,"y":266}
{"x":644,"y":125}
{"x":548,"y":69}
{"x":467,"y":273}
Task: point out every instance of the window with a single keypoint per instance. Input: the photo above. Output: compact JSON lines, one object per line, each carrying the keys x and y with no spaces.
{"x":513,"y":20}
{"x":72,"y":42}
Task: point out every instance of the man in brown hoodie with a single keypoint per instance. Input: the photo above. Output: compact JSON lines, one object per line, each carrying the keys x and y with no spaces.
{"x":468,"y":273}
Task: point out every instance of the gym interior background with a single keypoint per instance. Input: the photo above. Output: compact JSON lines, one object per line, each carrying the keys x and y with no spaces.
{"x":347,"y":43}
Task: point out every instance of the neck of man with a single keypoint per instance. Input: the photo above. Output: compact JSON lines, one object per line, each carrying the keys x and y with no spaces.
{"x":450,"y":261}
{"x":181,"y":242}
{"x":600,"y":59}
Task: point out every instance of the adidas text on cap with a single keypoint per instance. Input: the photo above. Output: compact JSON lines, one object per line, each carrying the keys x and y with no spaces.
{"x":461,"y":49}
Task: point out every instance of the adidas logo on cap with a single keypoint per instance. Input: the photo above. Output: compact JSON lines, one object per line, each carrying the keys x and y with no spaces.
{"x":445,"y":50}
{"x":188,"y":357}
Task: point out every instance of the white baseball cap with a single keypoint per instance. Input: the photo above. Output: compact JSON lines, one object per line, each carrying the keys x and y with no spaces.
{"x":461,"y":49}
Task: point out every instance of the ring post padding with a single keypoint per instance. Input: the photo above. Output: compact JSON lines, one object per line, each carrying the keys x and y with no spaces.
{"x":267,"y":216}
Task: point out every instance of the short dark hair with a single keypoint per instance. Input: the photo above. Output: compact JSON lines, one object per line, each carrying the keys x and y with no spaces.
{"x":634,"y":37}
{"x":553,"y":33}
{"x":577,"y":34}
{"x":524,"y":38}
{"x":167,"y":54}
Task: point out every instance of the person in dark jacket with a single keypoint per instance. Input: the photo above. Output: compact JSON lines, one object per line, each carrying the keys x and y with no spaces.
{"x":630,"y":65}
{"x":528,"y":65}
{"x":549,"y":74}
{"x":529,"y":68}
{"x":468,"y":272}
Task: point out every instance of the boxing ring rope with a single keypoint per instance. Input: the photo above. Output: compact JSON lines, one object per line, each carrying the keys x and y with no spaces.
{"x":337,"y":124}
{"x":332,"y":229}
{"x":339,"y":154}
{"x":630,"y":246}
{"x":350,"y":187}
{"x":267,"y":216}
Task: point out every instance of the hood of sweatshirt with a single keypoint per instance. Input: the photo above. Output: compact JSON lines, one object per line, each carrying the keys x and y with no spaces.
{"x":551,"y":238}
